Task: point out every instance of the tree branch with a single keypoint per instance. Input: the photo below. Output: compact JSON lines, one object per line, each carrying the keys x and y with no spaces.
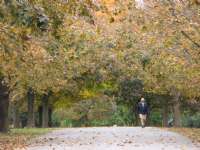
{"x":189,"y":38}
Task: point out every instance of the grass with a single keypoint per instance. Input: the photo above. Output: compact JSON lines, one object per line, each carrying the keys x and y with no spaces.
{"x":31,"y":131}
{"x":19,"y":138}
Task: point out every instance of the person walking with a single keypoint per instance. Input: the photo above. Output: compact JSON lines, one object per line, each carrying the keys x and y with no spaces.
{"x":143,"y":111}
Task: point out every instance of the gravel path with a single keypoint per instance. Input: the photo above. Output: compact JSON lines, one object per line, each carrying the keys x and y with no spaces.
{"x":112,"y":138}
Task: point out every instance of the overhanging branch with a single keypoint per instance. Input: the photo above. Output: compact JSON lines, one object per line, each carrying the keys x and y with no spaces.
{"x":189,"y":38}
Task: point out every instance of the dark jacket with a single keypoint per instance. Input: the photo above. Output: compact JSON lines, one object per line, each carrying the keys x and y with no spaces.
{"x":143,"y":109}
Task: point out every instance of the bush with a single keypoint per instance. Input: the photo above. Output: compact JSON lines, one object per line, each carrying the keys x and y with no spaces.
{"x":55,"y":120}
{"x":189,"y":120}
{"x":123,"y":116}
{"x":156,"y":118}
{"x":66,"y":123}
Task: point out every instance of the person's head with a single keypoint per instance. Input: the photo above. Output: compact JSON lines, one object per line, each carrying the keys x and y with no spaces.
{"x":142,"y":99}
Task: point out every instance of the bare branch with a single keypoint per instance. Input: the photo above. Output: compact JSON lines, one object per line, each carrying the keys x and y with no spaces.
{"x":189,"y":38}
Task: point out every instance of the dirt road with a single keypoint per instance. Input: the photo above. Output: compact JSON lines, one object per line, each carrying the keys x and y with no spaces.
{"x":112,"y":138}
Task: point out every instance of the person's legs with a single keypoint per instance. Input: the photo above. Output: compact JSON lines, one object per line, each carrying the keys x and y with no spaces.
{"x":142,"y":120}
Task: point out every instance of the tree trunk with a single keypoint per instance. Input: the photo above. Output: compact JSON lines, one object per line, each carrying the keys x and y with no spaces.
{"x":40,"y":116}
{"x":165,"y":114}
{"x":4,"y":103}
{"x":16,"y":120}
{"x":50,"y":119}
{"x":136,"y":114}
{"x":45,"y":111}
{"x":31,"y":117}
{"x":177,"y":111}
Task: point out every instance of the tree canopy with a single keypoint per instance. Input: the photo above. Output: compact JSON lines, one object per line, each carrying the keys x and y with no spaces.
{"x":85,"y":48}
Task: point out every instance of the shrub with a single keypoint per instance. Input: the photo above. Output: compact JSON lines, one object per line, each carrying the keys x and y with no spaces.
{"x":189,"y":120}
{"x":156,"y":118}
{"x":123,"y":116}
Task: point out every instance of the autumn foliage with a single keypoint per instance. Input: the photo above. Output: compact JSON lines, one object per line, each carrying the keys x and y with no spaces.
{"x":68,"y":48}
